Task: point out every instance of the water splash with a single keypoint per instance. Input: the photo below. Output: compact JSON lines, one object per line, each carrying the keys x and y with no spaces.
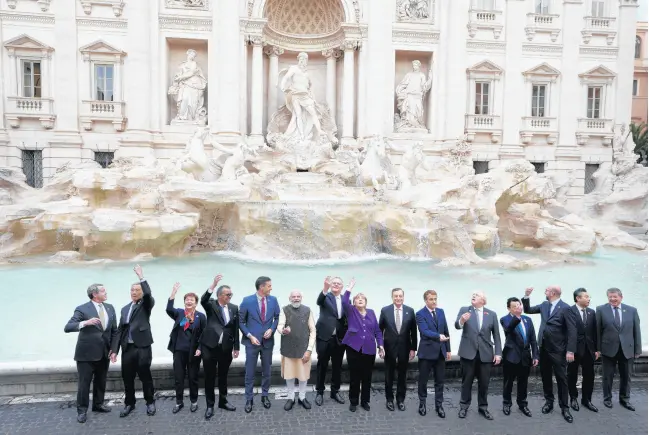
{"x":495,"y":246}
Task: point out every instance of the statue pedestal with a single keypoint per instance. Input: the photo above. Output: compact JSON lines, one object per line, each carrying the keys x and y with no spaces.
{"x":425,"y":138}
{"x":256,"y":140}
{"x":410,"y":130}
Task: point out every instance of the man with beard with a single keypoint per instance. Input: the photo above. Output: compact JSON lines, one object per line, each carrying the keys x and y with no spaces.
{"x":297,"y":326}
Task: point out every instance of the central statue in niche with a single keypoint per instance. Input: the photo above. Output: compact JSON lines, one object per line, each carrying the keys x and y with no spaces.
{"x":302,"y":126}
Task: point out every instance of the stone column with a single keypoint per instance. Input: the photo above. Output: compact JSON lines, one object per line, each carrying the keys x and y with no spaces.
{"x":430,"y":107}
{"x":66,"y":93}
{"x":515,"y":89}
{"x":138,"y":86}
{"x":348,"y":92}
{"x":627,"y":17}
{"x":257,"y":89}
{"x":330,"y":55}
{"x":273,"y":71}
{"x":243,"y":77}
{"x":361,"y":110}
{"x":380,"y":93}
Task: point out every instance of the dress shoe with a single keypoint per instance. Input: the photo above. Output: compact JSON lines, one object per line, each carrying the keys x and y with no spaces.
{"x":608,"y":403}
{"x":589,"y":406}
{"x":193,"y":407}
{"x":126,"y":411}
{"x":422,"y":408}
{"x":352,"y":408}
{"x":289,"y":404}
{"x":547,"y":408}
{"x":462,"y":413}
{"x":304,"y":402}
{"x":440,"y":412}
{"x":365,"y":406}
{"x":265,"y":401}
{"x":567,"y":416}
{"x":627,"y":405}
{"x":178,"y":407}
{"x":390,"y":405}
{"x":526,"y":411}
{"x":401,"y":406}
{"x":574,"y":404}
{"x":507,"y":409}
{"x":248,"y":407}
{"x":318,"y":399}
{"x":81,"y":418}
{"x":338,"y":398}
{"x":226,"y":405}
{"x":209,"y":413}
{"x":150,"y":409}
{"x":100,"y":408}
{"x":485,"y":414}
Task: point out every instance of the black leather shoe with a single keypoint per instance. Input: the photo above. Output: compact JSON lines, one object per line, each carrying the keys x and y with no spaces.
{"x":81,"y":418}
{"x":338,"y":398}
{"x":265,"y":401}
{"x":248,"y":407}
{"x":507,"y":409}
{"x":485,"y":414}
{"x":100,"y":408}
{"x":305,"y":403}
{"x":226,"y":405}
{"x":352,"y":408}
{"x":318,"y":399}
{"x":440,"y":412}
{"x":150,"y":409}
{"x":422,"y":408}
{"x":177,"y":408}
{"x":209,"y":413}
{"x":547,"y":408}
{"x":589,"y":406}
{"x":193,"y":407}
{"x":462,"y":413}
{"x":390,"y":405}
{"x":401,"y":406}
{"x":627,"y":405}
{"x":365,"y":406}
{"x":289,"y":404}
{"x":526,"y":411}
{"x":567,"y":416}
{"x":608,"y":403}
{"x":574,"y":404}
{"x":126,"y":411}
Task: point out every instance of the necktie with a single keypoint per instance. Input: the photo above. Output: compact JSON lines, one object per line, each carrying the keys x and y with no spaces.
{"x":263,"y":309}
{"x":617,"y":316}
{"x":551,"y":308}
{"x":398,"y":320}
{"x":102,"y":317}
{"x":583,"y":316}
{"x":435,"y":316}
{"x":522,"y":332}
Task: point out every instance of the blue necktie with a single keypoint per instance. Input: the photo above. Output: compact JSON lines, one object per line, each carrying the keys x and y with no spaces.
{"x":522,"y":332}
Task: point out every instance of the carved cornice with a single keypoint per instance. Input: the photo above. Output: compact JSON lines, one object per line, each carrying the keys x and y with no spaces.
{"x":415,"y":36}
{"x":542,"y":48}
{"x":306,"y":43}
{"x":271,"y":50}
{"x":331,"y":52}
{"x":350,"y":45}
{"x":598,"y":51}
{"x":485,"y":46}
{"x":27,"y":18}
{"x":180,"y":4}
{"x":188,"y":24}
{"x":252,"y":26}
{"x":256,"y":40}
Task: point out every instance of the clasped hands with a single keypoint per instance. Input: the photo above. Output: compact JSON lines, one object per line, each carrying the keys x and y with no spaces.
{"x":267,"y":335}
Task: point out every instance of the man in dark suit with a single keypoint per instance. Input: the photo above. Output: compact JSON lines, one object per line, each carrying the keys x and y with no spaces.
{"x":619,"y":340}
{"x":557,"y":344}
{"x":258,"y":323}
{"x":434,"y":351}
{"x":479,"y":326}
{"x":96,"y":323}
{"x":586,"y":352}
{"x":399,"y":327}
{"x":519,"y":355}
{"x":135,"y":339}
{"x":331,"y":328}
{"x":219,"y":343}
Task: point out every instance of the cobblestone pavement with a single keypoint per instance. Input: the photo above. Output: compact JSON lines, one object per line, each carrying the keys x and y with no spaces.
{"x":51,"y":418}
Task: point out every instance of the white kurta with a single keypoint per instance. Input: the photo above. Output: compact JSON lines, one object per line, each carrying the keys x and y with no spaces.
{"x":294,"y":367}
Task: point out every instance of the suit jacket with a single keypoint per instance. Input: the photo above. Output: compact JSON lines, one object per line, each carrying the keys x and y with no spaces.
{"x":138,"y":323}
{"x":558,"y":333}
{"x":216,"y":325}
{"x":328,"y":320}
{"x":474,"y":340}
{"x":586,"y":334}
{"x":429,"y":345}
{"x":363,"y":334}
{"x":610,"y":338}
{"x":398,"y":344}
{"x":93,"y":342}
{"x":178,"y":314}
{"x":517,"y":351}
{"x":250,"y":320}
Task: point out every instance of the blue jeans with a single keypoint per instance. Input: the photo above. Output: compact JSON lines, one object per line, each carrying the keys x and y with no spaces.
{"x":252,"y":354}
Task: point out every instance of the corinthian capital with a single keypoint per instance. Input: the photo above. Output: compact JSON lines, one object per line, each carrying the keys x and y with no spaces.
{"x":256,"y":40}
{"x":350,"y":44}
{"x":272,"y":50}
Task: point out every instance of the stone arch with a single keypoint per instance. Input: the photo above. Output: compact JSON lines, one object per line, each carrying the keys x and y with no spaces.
{"x":351,"y":8}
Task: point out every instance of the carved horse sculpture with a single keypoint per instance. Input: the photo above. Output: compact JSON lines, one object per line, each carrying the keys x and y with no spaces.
{"x":233,"y":167}
{"x":195,"y":161}
{"x":376,"y":169}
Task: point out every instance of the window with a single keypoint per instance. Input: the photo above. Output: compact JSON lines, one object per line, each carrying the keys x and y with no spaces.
{"x":594,"y":102}
{"x":635,"y":88}
{"x":538,"y":100}
{"x":104,"y":158}
{"x":482,"y":98}
{"x":485,"y":5}
{"x":597,"y":8}
{"x":31,"y":72}
{"x":481,"y":167}
{"x":589,"y":180}
{"x":543,"y":7}
{"x":539,"y":167}
{"x":104,"y":82}
{"x":638,"y":46}
{"x":33,"y":167}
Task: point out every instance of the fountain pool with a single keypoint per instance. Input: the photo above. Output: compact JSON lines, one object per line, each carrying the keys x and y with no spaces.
{"x":42,"y":297}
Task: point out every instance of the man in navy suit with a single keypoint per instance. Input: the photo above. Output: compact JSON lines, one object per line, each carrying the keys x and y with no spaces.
{"x":520,"y":353}
{"x":586,"y":352}
{"x":434,"y":351}
{"x":259,"y":316}
{"x":557,"y":344}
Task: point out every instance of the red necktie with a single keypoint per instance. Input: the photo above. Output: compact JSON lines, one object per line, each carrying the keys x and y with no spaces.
{"x":263,"y":309}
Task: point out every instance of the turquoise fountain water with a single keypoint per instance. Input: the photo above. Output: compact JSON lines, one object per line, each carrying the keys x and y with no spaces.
{"x":43,"y":297}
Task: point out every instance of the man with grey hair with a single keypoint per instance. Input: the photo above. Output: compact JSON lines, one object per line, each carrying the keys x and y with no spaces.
{"x":96,"y":323}
{"x":619,"y":340}
{"x":297,"y":326}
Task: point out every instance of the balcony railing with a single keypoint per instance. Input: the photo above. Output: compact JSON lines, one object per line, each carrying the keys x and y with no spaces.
{"x":35,"y":108}
{"x":598,"y":23}
{"x":538,"y":124}
{"x":483,"y":124}
{"x":594,"y":127}
{"x":481,"y":19}
{"x":101,"y":111}
{"x":543,"y":23}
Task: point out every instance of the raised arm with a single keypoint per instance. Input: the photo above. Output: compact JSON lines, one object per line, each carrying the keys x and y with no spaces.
{"x":527,"y":309}
{"x":147,"y":299}
{"x":205,"y":299}
{"x":171,"y":312}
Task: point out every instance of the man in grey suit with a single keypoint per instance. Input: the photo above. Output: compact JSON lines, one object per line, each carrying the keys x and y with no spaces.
{"x":619,"y":341}
{"x":479,"y":327}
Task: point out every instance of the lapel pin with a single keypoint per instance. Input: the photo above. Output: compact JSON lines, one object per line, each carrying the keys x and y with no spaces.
{"x":624,"y":311}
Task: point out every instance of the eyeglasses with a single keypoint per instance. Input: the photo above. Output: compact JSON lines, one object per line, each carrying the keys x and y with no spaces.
{"x":227,"y":295}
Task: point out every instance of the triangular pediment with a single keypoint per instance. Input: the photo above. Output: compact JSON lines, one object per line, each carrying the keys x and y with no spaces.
{"x":486,"y":66}
{"x":26,"y":42}
{"x":101,"y":47}
{"x":599,"y":72}
{"x":542,"y":70}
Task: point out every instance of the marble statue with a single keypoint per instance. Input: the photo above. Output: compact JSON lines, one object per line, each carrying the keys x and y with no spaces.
{"x":413,"y":10}
{"x":194,"y":161}
{"x":188,"y":88}
{"x":376,"y":169}
{"x":233,"y":167}
{"x":410,"y":100}
{"x":412,"y":158}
